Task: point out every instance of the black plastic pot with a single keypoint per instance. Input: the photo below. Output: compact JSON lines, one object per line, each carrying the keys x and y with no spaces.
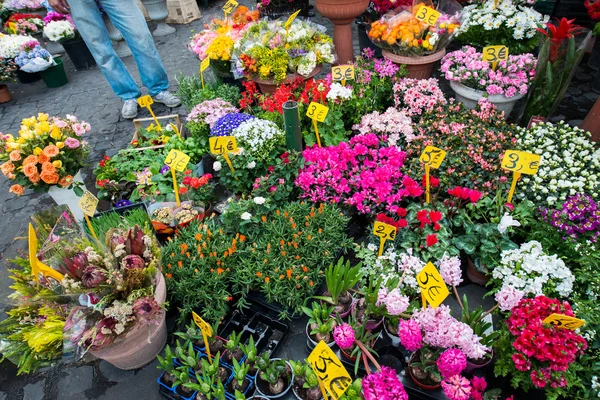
{"x":79,"y":54}
{"x":27,"y":78}
{"x":274,"y":12}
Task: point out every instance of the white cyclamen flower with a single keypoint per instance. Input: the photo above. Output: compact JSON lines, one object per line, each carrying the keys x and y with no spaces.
{"x":506,"y":222}
{"x":251,"y":165}
{"x":217,"y":166}
{"x":259,"y":200}
{"x":246,"y":216}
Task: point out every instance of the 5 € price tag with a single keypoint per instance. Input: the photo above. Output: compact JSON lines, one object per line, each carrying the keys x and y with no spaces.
{"x":521,"y":161}
{"x":494,"y":54}
{"x":222,"y":144}
{"x":317,"y":111}
{"x":329,"y":370}
{"x":145,"y":101}
{"x":427,"y":15}
{"x":88,"y":203}
{"x":384,"y":231}
{"x":204,"y":64}
{"x":432,"y":156}
{"x":230,"y":6}
{"x":432,"y":285}
{"x":177,"y":159}
{"x":342,"y":73}
{"x":564,"y":321}
{"x":202,"y":324}
{"x":291,"y":19}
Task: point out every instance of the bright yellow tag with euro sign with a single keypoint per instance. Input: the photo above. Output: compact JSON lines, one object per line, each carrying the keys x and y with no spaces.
{"x":432,"y":156}
{"x":88,"y":203}
{"x":230,"y":6}
{"x":202,"y":324}
{"x":177,"y":159}
{"x":385,"y":231}
{"x":317,"y":111}
{"x":564,"y":321}
{"x":204,"y":64}
{"x":38,"y":267}
{"x":493,"y":54}
{"x":521,"y":161}
{"x":342,"y":73}
{"x":291,"y":19}
{"x":145,"y":101}
{"x":222,"y":144}
{"x":432,"y":285}
{"x":427,"y":15}
{"x":329,"y":370}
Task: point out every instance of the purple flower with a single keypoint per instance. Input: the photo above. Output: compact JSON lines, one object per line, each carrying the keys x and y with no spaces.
{"x":147,"y":310}
{"x":344,"y":336}
{"x":165,"y":169}
{"x":228,"y":123}
{"x":123,"y":203}
{"x":93,"y":276}
{"x":133,"y":261}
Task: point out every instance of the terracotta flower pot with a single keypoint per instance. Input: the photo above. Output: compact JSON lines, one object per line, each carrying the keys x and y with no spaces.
{"x":342,"y":13}
{"x":140,"y":345}
{"x":270,"y":86}
{"x":5,"y":95}
{"x":417,"y":67}
{"x":476,"y":276}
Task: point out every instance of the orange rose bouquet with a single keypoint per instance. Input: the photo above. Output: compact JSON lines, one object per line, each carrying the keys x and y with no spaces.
{"x":49,"y":151}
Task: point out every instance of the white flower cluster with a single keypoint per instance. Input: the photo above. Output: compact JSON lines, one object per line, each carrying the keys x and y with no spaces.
{"x":337,"y":91}
{"x":535,"y":273}
{"x":307,"y":63}
{"x":259,"y":136}
{"x":325,"y":51}
{"x":10,"y":45}
{"x":58,"y":30}
{"x":522,"y":20}
{"x":570,"y":163}
{"x":122,"y":313}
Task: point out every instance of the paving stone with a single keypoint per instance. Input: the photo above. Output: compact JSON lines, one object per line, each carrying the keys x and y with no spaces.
{"x":34,"y":391}
{"x":76,"y":381}
{"x":583,"y":77}
{"x":114,"y":374}
{"x":575,"y":91}
{"x":575,"y":122}
{"x":2,"y":396}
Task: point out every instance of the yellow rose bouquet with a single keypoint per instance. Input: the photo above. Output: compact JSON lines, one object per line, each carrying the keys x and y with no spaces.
{"x":48,"y":151}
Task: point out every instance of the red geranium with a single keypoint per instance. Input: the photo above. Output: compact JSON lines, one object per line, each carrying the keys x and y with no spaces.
{"x":431,"y":239}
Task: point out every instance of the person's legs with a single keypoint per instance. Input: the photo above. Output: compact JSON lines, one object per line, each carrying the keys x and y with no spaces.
{"x":127,"y":18}
{"x":90,"y":25}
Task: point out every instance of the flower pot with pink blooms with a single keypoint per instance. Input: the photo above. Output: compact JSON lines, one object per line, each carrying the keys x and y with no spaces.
{"x":502,"y":83}
{"x":320,"y":324}
{"x":483,"y":328}
{"x":355,"y":343}
{"x":340,"y":278}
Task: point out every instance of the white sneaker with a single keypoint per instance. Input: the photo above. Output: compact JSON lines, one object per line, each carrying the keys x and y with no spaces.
{"x":130,"y":109}
{"x":168,"y":99}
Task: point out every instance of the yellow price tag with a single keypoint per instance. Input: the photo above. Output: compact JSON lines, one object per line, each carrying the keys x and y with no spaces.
{"x":493,"y":54}
{"x":433,"y":287}
{"x":222,"y":144}
{"x":291,"y":19}
{"x":145,"y":101}
{"x":202,"y":324}
{"x":432,"y":156}
{"x":564,"y":321}
{"x":230,"y":6}
{"x":342,"y":73}
{"x":521,"y":161}
{"x":38,"y":267}
{"x":88,"y":203}
{"x":177,"y":160}
{"x":384,"y":231}
{"x":204,"y":64}
{"x":427,"y":15}
{"x":317,"y":111}
{"x":329,"y":370}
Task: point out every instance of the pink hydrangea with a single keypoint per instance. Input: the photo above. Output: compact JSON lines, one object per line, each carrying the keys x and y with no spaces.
{"x":451,"y":362}
{"x":383,"y":385}
{"x":457,"y":387}
{"x":450,"y":270}
{"x":508,"y":297}
{"x":410,"y":335}
{"x":344,"y":336}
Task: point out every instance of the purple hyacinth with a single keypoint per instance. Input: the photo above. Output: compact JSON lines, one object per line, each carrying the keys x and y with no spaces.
{"x":228,"y":123}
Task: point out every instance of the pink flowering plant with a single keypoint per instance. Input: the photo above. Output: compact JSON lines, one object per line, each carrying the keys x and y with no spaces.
{"x":416,"y":96}
{"x":392,"y":126}
{"x":354,"y":340}
{"x":203,"y":117}
{"x":510,"y":78}
{"x":383,"y":385}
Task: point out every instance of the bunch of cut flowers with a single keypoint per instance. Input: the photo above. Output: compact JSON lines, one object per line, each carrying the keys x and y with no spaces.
{"x":24,"y":5}
{"x":24,"y":24}
{"x":33,"y":58}
{"x":59,"y":27}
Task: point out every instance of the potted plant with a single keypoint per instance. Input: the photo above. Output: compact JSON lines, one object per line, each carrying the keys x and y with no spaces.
{"x":483,"y":329}
{"x":306,"y":385}
{"x":189,"y":357}
{"x":251,"y":354}
{"x":320,"y":325}
{"x":232,"y":346}
{"x":504,"y":85}
{"x":274,"y":379}
{"x":167,"y":365}
{"x":354,"y":391}
{"x":8,"y":68}
{"x":340,"y":278}
{"x":240,"y":382}
{"x":202,"y":117}
{"x":206,"y":388}
{"x":183,"y":382}
{"x":368,"y":309}
{"x":60,"y":28}
{"x":354,"y":342}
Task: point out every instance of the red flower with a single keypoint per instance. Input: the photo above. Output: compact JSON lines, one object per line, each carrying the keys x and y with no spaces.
{"x":422,"y":218}
{"x":436,"y":227}
{"x":593,"y":8}
{"x":474,"y":196}
{"x":402,"y":223}
{"x":565,"y":29}
{"x":435,"y":216}
{"x":285,"y":157}
{"x":431,"y":239}
{"x":401,"y":212}
{"x":183,"y":190}
{"x":186,"y":180}
{"x":510,"y":206}
{"x":433,"y":181}
{"x":102,"y":182}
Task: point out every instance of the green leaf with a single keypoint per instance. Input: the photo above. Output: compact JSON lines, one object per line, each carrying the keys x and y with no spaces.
{"x":78,"y":191}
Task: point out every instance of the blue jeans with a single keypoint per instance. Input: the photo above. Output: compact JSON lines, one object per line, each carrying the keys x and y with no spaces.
{"x":127,"y":18}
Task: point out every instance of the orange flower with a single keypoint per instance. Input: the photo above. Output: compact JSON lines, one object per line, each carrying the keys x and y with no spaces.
{"x":169,"y":276}
{"x":7,"y":168}
{"x":286,"y":214}
{"x":310,"y":283}
{"x":242,"y":238}
{"x":306,"y":224}
{"x":304,"y":269}
{"x":282,"y":242}
{"x":30,"y":159}
{"x":309,"y":237}
{"x":283,"y":253}
{"x":320,"y":230}
{"x":277,"y":212}
{"x":297,"y":257}
{"x":16,"y":189}
{"x":198,"y":236}
{"x":51,"y":151}
{"x":289,"y":273}
{"x":183,"y":247}
{"x":29,"y":170}
{"x":179,"y":264}
{"x":15,"y":155}
{"x":48,"y":167}
{"x":169,"y":266}
{"x":312,"y":214}
{"x":219,"y":270}
{"x":258,"y":274}
{"x":225,"y":254}
{"x":49,"y":178}
{"x":42,"y":158}
{"x":196,"y":270}
{"x":265,"y":260}
{"x":64,"y":182}
{"x":263,"y":218}
{"x":267,"y":279}
{"x":294,"y":225}
{"x":281,"y":276}
{"x":34,"y":178}
{"x":172,"y":254}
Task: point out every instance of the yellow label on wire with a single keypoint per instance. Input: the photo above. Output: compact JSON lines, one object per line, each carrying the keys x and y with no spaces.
{"x":88,"y":203}
{"x":204,"y":64}
{"x":564,"y":321}
{"x":145,"y":101}
{"x":202,"y":324}
{"x":494,"y":54}
{"x":222,"y":144}
{"x":385,"y":231}
{"x":342,"y":73}
{"x":432,"y":156}
{"x":177,"y":160}
{"x":317,"y":111}
{"x":230,"y":6}
{"x":427,"y":15}
{"x":329,"y":370}
{"x":433,"y":287}
{"x":291,"y":19}
{"x":521,"y":161}
{"x":38,"y":267}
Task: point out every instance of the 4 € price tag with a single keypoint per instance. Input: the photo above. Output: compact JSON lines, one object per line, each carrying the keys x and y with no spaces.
{"x":88,"y":203}
{"x":521,"y":161}
{"x":427,"y":15}
{"x":230,"y":6}
{"x":433,"y":287}
{"x":145,"y":101}
{"x":329,"y":370}
{"x":342,"y":73}
{"x":222,"y":144}
{"x":202,"y":324}
{"x":177,"y":160}
{"x":317,"y":111}
{"x":564,"y":321}
{"x":432,"y":156}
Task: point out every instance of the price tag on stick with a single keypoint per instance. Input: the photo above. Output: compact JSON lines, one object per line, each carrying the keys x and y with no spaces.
{"x":288,"y":23}
{"x":385,"y":232}
{"x":203,"y":65}
{"x":223,"y":145}
{"x":206,"y":332}
{"x":342,"y":73}
{"x":431,"y":157}
{"x":427,"y":15}
{"x":229,"y":7}
{"x":564,"y":321}
{"x":317,"y":112}
{"x":519,"y":162}
{"x":88,"y":204}
{"x":433,"y":288}
{"x":330,"y":372}
{"x":146,"y":101}
{"x":493,"y":54}
{"x":177,"y":161}
{"x":38,"y":267}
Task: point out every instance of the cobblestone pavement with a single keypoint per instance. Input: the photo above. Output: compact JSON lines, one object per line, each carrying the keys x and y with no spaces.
{"x":89,"y":97}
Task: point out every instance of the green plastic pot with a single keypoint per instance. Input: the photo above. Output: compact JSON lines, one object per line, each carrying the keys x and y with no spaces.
{"x":55,"y":76}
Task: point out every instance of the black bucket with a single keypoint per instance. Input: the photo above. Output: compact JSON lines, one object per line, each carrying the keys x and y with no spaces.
{"x":79,"y":54}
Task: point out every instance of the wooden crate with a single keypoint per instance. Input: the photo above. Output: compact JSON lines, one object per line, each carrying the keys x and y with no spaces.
{"x":182,"y":11}
{"x":141,"y":123}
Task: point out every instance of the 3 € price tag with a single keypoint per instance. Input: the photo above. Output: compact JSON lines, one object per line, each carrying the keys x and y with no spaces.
{"x":432,"y":285}
{"x":384,"y":231}
{"x":230,"y":6}
{"x":329,"y":370}
{"x":222,"y":144}
{"x":88,"y":203}
{"x":204,"y":64}
{"x":521,"y":161}
{"x":177,"y":159}
{"x":291,"y":19}
{"x":317,"y":111}
{"x":202,"y":324}
{"x":342,"y":73}
{"x":564,"y":321}
{"x":38,"y":267}
{"x":427,"y":15}
{"x":432,"y":156}
{"x":494,"y":54}
{"x":145,"y":101}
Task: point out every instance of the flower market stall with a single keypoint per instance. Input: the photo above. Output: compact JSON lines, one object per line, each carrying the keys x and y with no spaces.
{"x":359,"y":231}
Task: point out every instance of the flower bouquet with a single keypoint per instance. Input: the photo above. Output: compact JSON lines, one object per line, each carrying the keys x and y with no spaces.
{"x":34,"y":58}
{"x":60,"y":30}
{"x":10,"y":45}
{"x":472,"y":78}
{"x":24,"y":24}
